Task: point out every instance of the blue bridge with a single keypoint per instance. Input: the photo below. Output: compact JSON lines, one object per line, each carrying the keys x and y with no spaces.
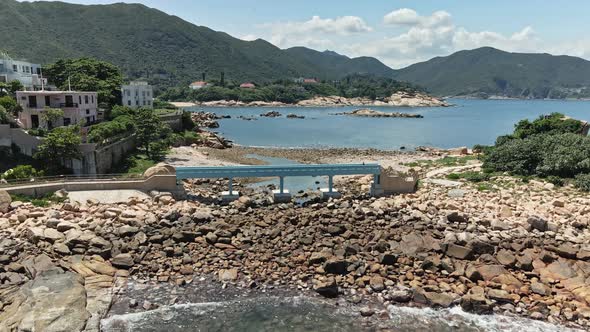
{"x":280,"y":171}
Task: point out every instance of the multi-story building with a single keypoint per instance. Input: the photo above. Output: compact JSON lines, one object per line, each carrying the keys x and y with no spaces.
{"x":78,"y":107}
{"x":29,"y":74}
{"x":138,"y":94}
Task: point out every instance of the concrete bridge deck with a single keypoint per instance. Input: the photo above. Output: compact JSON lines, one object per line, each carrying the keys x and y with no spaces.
{"x":280,"y":171}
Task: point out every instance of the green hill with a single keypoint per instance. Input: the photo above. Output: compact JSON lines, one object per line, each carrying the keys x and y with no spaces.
{"x":487,"y":72}
{"x":146,"y":42}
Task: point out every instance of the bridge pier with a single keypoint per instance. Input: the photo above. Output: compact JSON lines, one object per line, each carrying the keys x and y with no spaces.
{"x":282,"y":195}
{"x":330,"y":192}
{"x":231,"y":195}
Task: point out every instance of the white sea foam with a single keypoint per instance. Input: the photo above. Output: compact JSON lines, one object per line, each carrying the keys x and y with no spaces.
{"x":456,"y":318}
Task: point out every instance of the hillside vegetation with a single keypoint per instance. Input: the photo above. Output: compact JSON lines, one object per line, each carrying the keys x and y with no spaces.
{"x":486,"y":72}
{"x":146,"y":42}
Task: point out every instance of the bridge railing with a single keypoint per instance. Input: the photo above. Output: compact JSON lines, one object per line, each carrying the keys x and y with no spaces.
{"x":280,"y":171}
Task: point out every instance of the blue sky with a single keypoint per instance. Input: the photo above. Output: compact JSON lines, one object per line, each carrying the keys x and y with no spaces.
{"x":399,"y":33}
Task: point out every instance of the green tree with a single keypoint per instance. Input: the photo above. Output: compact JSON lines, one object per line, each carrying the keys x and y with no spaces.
{"x":9,"y":104}
{"x":87,"y":74}
{"x":51,"y":116}
{"x":15,"y":86}
{"x":150,"y":132}
{"x":59,"y":145}
{"x":4,"y":117}
{"x":4,"y":89}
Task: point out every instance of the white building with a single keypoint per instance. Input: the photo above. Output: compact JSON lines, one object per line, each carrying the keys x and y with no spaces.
{"x":78,"y":107}
{"x":138,"y":94}
{"x":29,"y":74}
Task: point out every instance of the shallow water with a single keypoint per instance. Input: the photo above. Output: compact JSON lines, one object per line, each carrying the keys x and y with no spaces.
{"x":470,"y":122}
{"x":296,"y":314}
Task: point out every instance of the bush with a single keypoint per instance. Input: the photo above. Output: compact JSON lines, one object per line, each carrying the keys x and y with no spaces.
{"x":39,"y":132}
{"x":21,"y":172}
{"x":103,"y":131}
{"x":187,"y":121}
{"x":554,"y":123}
{"x":453,"y":176}
{"x":556,"y":180}
{"x":476,"y":176}
{"x":582,"y":182}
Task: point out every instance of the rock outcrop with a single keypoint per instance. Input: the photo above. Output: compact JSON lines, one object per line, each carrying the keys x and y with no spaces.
{"x":379,"y":114}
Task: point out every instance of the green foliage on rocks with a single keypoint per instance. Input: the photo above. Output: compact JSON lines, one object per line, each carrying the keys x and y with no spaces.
{"x":4,"y":117}
{"x":9,"y":104}
{"x":549,"y":147}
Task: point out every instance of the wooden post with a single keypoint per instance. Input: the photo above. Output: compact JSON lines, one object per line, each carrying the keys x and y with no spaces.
{"x":282,"y":183}
{"x":330,"y":183}
{"x":231,"y":186}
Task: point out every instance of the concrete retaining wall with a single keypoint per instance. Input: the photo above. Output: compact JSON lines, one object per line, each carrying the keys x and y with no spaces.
{"x":108,"y":156}
{"x":28,"y":144}
{"x":157,"y":182}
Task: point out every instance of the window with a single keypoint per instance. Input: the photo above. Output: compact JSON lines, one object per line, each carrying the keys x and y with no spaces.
{"x":144,"y":103}
{"x":47,"y":101}
{"x":15,"y":68}
{"x":148,"y":93}
{"x":86,"y":99}
{"x":143,"y":93}
{"x":149,"y":103}
{"x":92,"y":98}
{"x":33,"y":101}
{"x":128,"y":93}
{"x":137,"y":103}
{"x":129,"y":102}
{"x":67,"y":121}
{"x":79,"y":99}
{"x":87,"y":111}
{"x":38,"y":71}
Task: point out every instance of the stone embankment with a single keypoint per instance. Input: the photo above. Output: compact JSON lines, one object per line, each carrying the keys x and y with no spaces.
{"x":520,"y":250}
{"x":368,"y":113}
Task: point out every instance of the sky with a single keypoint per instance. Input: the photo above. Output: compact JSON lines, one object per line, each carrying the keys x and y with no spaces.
{"x":398,"y":33}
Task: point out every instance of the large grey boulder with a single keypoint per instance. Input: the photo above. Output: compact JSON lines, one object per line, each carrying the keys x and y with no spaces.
{"x":53,"y":301}
{"x":5,"y":201}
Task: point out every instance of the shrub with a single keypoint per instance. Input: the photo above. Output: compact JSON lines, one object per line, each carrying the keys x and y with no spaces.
{"x":187,"y":121}
{"x":453,"y":176}
{"x":103,"y":131}
{"x":556,"y":180}
{"x":476,"y":176}
{"x":554,"y":123}
{"x":21,"y":172}
{"x":582,"y":182}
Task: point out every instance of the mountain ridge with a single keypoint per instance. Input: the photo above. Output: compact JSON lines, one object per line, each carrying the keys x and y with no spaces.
{"x":146,"y":42}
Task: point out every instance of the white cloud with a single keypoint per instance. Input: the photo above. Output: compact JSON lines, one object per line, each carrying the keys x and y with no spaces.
{"x":410,"y":17}
{"x":314,"y":32}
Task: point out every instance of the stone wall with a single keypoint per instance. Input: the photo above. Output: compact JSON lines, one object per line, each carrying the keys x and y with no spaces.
{"x":174,"y":120}
{"x":108,"y":156}
{"x":165,"y":183}
{"x":28,"y":144}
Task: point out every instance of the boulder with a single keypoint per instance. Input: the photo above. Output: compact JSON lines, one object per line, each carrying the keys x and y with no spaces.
{"x":53,"y":301}
{"x":123,"y":261}
{"x":228,"y":275}
{"x":377,"y":284}
{"x":537,"y":223}
{"x":159,"y":169}
{"x":459,"y":252}
{"x":327,"y":288}
{"x":5,"y":201}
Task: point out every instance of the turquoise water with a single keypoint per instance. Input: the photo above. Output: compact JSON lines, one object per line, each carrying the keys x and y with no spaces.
{"x":293,"y":184}
{"x":470,"y":122}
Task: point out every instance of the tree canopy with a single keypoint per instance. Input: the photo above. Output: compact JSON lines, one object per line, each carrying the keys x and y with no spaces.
{"x":59,"y":145}
{"x":87,"y":74}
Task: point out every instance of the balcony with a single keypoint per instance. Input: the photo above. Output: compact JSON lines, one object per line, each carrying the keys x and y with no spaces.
{"x":68,"y":105}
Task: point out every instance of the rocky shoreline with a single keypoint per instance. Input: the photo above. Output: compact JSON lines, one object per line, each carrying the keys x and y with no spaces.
{"x":368,"y":113}
{"x":398,"y":99}
{"x":520,"y":249}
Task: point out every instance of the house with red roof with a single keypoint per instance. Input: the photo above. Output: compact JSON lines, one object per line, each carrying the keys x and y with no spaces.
{"x":198,"y":85}
{"x":247,"y":85}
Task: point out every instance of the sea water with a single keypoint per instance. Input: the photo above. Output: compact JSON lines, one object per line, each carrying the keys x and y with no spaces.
{"x":467,"y":123}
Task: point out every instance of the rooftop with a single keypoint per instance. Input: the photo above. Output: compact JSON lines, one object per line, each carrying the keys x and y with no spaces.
{"x":45,"y":92}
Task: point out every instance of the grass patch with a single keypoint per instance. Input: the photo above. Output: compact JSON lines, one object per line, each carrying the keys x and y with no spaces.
{"x":470,"y":176}
{"x":447,"y":161}
{"x":135,"y":163}
{"x":484,"y":187}
{"x":43,"y":201}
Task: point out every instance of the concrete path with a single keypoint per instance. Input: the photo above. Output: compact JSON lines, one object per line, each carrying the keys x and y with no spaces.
{"x":106,"y":196}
